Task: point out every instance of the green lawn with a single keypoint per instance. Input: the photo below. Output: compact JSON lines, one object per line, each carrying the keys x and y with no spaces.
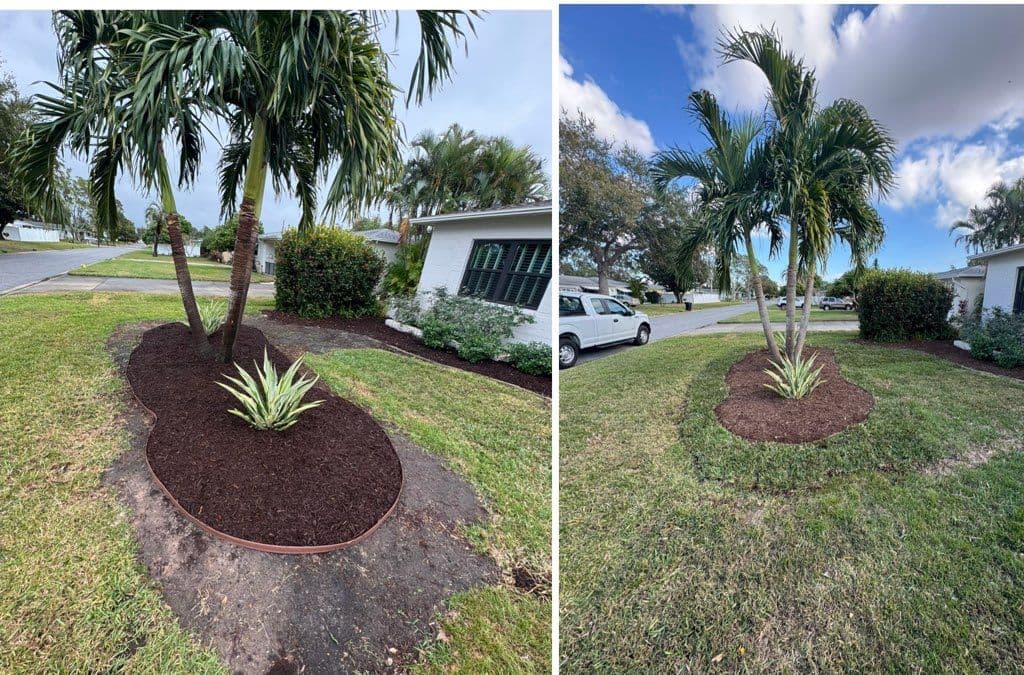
{"x":7,"y":246}
{"x":662,"y":309}
{"x":779,"y":315}
{"x":142,"y":265}
{"x":685,"y":548}
{"x":73,"y":595}
{"x":498,"y":437}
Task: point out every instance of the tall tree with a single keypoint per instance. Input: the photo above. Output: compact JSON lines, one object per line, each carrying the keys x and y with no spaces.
{"x":662,"y":256}
{"x":997,"y":223}
{"x":15,"y":117}
{"x":300,"y":92}
{"x":826,"y":166}
{"x":602,"y":195}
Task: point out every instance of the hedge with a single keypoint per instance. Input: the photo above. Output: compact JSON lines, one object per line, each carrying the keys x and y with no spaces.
{"x":900,"y":305}
{"x":326,"y":271}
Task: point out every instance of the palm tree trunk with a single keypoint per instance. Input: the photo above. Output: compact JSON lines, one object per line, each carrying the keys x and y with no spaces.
{"x":245,"y":237}
{"x":762,"y":306}
{"x":794,"y":256}
{"x":188,"y":298}
{"x":806,"y":315}
{"x":156,"y":237}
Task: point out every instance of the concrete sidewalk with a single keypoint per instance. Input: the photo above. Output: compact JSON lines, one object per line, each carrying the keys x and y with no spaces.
{"x":69,"y":284}
{"x":816,"y":326}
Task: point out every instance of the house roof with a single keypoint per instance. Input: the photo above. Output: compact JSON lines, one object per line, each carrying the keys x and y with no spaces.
{"x":974,"y":271}
{"x":500,"y":212}
{"x":381,"y":234}
{"x":985,"y":255}
{"x":587,"y":282}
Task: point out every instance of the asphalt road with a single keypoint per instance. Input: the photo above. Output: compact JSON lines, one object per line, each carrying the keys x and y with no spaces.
{"x":670,"y":325}
{"x":18,"y":269}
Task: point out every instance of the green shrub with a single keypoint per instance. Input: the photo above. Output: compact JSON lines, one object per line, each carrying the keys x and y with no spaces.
{"x":403,"y":275}
{"x":222,"y":237}
{"x":270,"y":401}
{"x":533,"y":358}
{"x":325,"y":271}
{"x":653,"y":297}
{"x":476,"y":326}
{"x":900,"y":305}
{"x":998,"y":337}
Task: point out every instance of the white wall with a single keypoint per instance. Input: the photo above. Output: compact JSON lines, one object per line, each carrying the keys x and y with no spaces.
{"x":191,"y":249}
{"x":1001,"y":279}
{"x":20,"y":232}
{"x":264,"y":255}
{"x":965,"y":289}
{"x":450,"y":246}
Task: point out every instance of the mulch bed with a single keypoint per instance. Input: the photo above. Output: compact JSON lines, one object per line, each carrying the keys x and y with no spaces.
{"x":962,"y":357}
{"x":375,"y":328}
{"x":328,"y":479}
{"x":756,"y":413}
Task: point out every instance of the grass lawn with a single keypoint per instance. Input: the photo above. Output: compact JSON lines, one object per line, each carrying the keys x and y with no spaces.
{"x":779,"y":315}
{"x":686,"y":548}
{"x":662,"y":309}
{"x":73,"y":596}
{"x":142,"y":265}
{"x":7,"y":246}
{"x":499,"y":438}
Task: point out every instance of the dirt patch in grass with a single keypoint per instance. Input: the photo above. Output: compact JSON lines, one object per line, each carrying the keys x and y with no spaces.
{"x":756,"y":413}
{"x":327,"y":480}
{"x":375,"y":328}
{"x":351,"y":610}
{"x":962,"y":357}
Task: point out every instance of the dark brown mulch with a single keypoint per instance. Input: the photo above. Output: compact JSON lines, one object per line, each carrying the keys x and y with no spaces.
{"x":962,"y":357}
{"x":326,"y":480}
{"x":375,"y":328}
{"x":754,"y":412}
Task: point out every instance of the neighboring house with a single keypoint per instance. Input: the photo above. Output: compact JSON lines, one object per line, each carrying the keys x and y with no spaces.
{"x":967,"y":283}
{"x":383,"y":241}
{"x":191,"y":249}
{"x":1004,"y":277}
{"x":620,"y":290}
{"x":502,"y":255}
{"x":26,"y":230}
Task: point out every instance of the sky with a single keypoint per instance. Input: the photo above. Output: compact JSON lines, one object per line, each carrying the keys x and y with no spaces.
{"x":501,"y":87}
{"x":945,"y":80}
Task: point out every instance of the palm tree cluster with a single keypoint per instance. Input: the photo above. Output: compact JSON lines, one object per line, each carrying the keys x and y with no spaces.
{"x":461,"y":170}
{"x":300,"y":93}
{"x":997,"y":223}
{"x":803,"y":175}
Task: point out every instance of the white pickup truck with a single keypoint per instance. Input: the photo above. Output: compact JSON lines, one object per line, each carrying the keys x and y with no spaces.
{"x":591,"y":320}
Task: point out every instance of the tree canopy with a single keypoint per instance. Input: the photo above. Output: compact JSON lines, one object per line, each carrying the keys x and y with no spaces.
{"x":997,"y":223}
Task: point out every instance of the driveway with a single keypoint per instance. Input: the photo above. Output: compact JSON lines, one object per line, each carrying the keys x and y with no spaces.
{"x":670,"y":325}
{"x":18,"y":269}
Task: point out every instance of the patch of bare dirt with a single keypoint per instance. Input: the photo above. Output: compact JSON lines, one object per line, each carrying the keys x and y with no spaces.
{"x":757,"y":413}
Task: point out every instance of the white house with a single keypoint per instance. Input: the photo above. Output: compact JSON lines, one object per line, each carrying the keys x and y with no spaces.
{"x":620,"y":290}
{"x":383,"y":241}
{"x":967,"y":283}
{"x":26,"y":230}
{"x":1004,"y":277}
{"x":502,"y":255}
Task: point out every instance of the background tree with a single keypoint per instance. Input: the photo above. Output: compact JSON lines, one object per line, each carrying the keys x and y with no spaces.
{"x":662,"y":256}
{"x":602,"y":196}
{"x":637,"y":288}
{"x":997,"y":223}
{"x":15,"y":117}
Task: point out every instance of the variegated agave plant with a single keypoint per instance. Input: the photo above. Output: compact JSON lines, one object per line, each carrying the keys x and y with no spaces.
{"x":212,"y":313}
{"x":271,"y":401}
{"x":794,"y":379}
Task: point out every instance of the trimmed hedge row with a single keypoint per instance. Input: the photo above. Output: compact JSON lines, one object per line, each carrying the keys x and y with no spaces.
{"x":900,"y":305}
{"x":326,"y":271}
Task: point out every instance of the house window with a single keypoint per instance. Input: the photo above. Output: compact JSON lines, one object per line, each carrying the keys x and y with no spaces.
{"x":511,"y":272}
{"x":1018,"y":296}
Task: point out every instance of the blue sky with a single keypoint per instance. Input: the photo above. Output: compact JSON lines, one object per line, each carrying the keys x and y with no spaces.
{"x":516,"y":44}
{"x":946,"y":80}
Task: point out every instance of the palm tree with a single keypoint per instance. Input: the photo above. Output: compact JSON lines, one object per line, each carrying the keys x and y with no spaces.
{"x":826,"y":163}
{"x":996,"y":224}
{"x":155,"y":219}
{"x":734,"y":193}
{"x":92,"y":113}
{"x":299,"y":91}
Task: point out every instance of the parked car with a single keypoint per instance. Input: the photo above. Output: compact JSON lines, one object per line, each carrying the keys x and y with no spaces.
{"x":588,"y":320}
{"x":781,"y":302}
{"x":835,"y":303}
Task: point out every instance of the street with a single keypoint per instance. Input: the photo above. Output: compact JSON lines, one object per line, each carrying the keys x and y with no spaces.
{"x":18,"y":269}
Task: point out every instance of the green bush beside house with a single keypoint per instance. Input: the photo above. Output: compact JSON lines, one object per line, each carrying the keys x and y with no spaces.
{"x":900,"y":305}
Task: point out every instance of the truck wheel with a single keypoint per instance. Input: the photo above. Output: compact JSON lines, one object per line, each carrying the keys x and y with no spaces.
{"x":568,"y":352}
{"x":643,"y":335}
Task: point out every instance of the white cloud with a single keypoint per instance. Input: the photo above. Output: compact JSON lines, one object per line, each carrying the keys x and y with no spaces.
{"x":955,"y":176}
{"x":611,"y":122}
{"x":924,"y":71}
{"x":516,"y":44}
